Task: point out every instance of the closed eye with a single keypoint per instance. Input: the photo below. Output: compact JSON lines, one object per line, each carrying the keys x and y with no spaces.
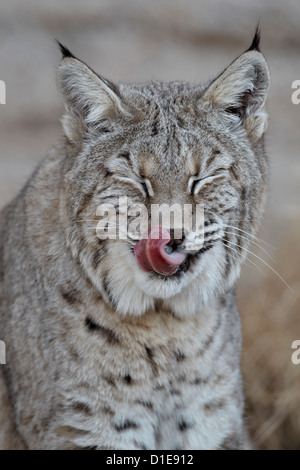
{"x":143,"y":186}
{"x":196,"y":184}
{"x":147,"y":187}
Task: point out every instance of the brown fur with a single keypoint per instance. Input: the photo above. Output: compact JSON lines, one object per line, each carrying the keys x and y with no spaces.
{"x":99,"y":353}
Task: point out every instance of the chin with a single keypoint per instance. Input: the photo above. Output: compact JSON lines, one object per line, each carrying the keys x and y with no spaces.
{"x":134,"y":292}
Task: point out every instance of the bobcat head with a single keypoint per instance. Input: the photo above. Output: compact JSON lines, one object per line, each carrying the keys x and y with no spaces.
{"x":165,"y":143}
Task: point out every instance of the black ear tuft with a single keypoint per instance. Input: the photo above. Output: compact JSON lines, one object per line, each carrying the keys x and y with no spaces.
{"x":64,"y":50}
{"x":256,"y":41}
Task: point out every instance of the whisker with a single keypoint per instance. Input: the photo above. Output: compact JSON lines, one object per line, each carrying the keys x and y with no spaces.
{"x":247,"y":260}
{"x":250,"y":235}
{"x":263,"y":261}
{"x":254,"y":243}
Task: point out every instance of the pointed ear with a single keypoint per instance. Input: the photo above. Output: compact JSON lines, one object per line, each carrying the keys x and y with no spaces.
{"x":90,"y":100}
{"x":238,"y":95}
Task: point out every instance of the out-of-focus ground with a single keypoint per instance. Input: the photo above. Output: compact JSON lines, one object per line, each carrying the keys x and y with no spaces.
{"x":189,"y":40}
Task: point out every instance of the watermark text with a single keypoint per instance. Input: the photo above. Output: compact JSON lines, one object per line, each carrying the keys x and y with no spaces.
{"x":122,"y":221}
{"x":2,"y":92}
{"x":296,"y":354}
{"x":296,"y":93}
{"x":2,"y":353}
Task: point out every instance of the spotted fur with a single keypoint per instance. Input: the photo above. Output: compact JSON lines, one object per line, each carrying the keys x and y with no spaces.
{"x":100,"y":354}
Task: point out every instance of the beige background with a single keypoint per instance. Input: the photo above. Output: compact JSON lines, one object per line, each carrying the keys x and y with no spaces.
{"x":189,"y":40}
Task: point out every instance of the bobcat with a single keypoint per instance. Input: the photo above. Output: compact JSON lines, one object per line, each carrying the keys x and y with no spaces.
{"x":104,"y":352}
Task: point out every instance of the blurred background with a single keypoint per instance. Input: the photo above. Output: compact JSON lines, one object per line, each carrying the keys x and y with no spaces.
{"x":135,"y":40}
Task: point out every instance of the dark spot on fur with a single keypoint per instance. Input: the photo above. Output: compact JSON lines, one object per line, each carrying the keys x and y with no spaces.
{"x":74,"y":354}
{"x":105,"y":284}
{"x":110,"y":336}
{"x":149,"y":353}
{"x":205,"y":248}
{"x":159,"y":387}
{"x":154,"y":130}
{"x":86,"y":199}
{"x":179,"y":356}
{"x":70,"y":294}
{"x":108,"y":379}
{"x":225,"y":241}
{"x":125,"y":155}
{"x":183,"y":425}
{"x":102,"y":129}
{"x":82,"y":408}
{"x":150,"y":358}
{"x":181,"y":379}
{"x":210,"y":160}
{"x":211,"y":233}
{"x":107,"y":410}
{"x":211,"y":337}
{"x":45,"y":422}
{"x":71,"y":432}
{"x":180,"y":122}
{"x":209,"y":221}
{"x":145,"y":404}
{"x":90,"y":324}
{"x":233,"y":172}
{"x":128,"y":379}
{"x":97,"y":257}
{"x":199,"y":381}
{"x":127,"y":424}
{"x":214,"y":405}
{"x":157,"y":305}
{"x":218,"y":378}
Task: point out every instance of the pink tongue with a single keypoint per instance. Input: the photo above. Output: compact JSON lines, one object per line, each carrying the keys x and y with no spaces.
{"x":151,"y":256}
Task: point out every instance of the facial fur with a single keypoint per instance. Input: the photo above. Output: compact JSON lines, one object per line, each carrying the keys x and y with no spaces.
{"x":164,"y":143}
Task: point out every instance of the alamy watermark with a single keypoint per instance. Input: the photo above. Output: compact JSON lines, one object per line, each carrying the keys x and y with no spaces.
{"x":296,"y":93}
{"x":2,"y":92}
{"x":296,"y":354}
{"x":2,"y":353}
{"x":135,"y":222}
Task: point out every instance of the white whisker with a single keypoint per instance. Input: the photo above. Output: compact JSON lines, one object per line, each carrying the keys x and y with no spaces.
{"x":250,"y":235}
{"x":254,"y":243}
{"x":263,"y":261}
{"x":248,"y":261}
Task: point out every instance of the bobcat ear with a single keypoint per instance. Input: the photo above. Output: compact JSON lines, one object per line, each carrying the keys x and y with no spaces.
{"x":90,"y":100}
{"x":240,"y":92}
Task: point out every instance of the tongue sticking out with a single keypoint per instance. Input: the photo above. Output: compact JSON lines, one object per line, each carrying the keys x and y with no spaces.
{"x":151,"y":255}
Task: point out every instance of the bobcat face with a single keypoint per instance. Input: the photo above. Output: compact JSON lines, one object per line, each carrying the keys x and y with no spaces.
{"x":164,"y":143}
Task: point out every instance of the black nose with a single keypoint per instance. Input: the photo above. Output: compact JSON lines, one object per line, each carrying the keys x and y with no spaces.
{"x":177,"y":237}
